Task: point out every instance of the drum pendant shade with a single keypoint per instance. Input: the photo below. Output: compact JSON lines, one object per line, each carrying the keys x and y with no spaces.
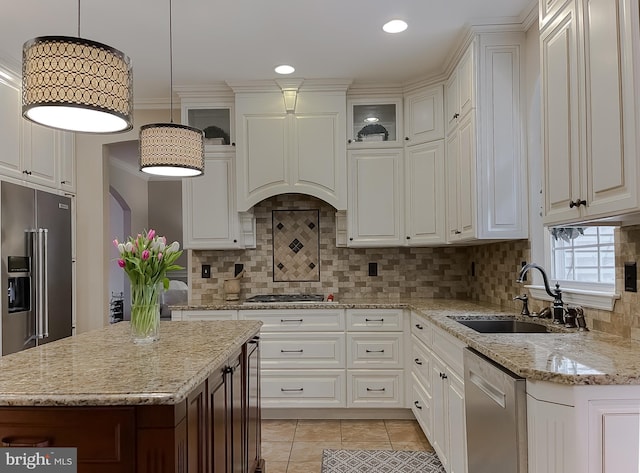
{"x":75,"y":84}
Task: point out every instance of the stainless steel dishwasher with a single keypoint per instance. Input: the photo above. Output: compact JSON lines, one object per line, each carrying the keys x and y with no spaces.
{"x":496,"y":412}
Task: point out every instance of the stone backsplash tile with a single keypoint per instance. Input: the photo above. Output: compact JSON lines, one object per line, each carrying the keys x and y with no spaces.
{"x":402,"y":272}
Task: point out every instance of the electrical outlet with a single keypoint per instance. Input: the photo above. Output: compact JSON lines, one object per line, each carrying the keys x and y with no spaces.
{"x":237,"y":269}
{"x":206,"y":271}
{"x":630,"y":277}
{"x":373,"y":269}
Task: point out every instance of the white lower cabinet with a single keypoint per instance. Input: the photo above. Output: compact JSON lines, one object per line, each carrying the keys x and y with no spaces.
{"x":375,"y":358}
{"x":583,"y":429}
{"x":302,"y":388}
{"x":438,"y":392}
{"x":302,"y":357}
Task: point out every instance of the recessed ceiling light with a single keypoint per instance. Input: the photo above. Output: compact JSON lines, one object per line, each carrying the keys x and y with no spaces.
{"x":285,"y":69}
{"x":371,"y":119}
{"x":395,"y":26}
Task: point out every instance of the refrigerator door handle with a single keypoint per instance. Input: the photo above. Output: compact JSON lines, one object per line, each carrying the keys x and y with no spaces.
{"x":39,"y":256}
{"x":44,"y":280}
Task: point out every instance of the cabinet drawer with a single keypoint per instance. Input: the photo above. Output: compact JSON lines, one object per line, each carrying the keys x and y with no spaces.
{"x":302,"y":388}
{"x":421,"y":407}
{"x":379,"y":388}
{"x":421,"y":329}
{"x":421,"y":362}
{"x":449,"y":349}
{"x":294,"y":320}
{"x":373,"y":320}
{"x":302,"y":350}
{"x":209,"y":315}
{"x":378,"y":350}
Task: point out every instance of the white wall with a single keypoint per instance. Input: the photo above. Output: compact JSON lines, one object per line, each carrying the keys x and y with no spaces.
{"x":92,"y":224}
{"x":135,"y":193}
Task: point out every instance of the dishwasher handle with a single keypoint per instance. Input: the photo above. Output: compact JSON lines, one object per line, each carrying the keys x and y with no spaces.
{"x":491,"y":391}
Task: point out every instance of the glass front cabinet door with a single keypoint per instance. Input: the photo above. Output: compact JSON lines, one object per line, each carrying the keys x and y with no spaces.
{"x":216,"y":121}
{"x":374,"y":123}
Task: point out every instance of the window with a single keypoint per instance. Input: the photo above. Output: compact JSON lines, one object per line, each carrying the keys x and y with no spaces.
{"x":583,"y":257}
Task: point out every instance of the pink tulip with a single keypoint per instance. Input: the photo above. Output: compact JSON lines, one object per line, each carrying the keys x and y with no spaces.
{"x":121,"y":263}
{"x":145,"y":255}
{"x":159,"y":256}
{"x":151,"y":234}
{"x":115,"y":243}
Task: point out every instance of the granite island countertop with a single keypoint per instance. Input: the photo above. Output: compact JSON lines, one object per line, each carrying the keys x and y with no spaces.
{"x":104,"y":368}
{"x":564,"y":356}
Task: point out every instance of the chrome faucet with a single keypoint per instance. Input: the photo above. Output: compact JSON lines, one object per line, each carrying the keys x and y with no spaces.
{"x":558,"y":305}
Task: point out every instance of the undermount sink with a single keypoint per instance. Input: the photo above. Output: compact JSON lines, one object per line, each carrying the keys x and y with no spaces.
{"x":487,"y":325}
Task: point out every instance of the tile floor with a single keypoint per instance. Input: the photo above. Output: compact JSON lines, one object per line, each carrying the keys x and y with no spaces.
{"x":295,"y":446}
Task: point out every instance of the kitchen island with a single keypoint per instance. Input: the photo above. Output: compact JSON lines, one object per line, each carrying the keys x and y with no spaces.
{"x":189,"y":402}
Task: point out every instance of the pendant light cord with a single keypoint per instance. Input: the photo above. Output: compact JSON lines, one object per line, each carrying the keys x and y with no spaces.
{"x":78,"y":18}
{"x":170,"y":65}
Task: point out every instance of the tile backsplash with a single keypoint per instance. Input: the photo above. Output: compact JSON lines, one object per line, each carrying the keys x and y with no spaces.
{"x":443,"y":272}
{"x":402,"y":272}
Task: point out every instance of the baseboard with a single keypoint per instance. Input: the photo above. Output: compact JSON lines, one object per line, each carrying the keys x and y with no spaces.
{"x":337,"y":413}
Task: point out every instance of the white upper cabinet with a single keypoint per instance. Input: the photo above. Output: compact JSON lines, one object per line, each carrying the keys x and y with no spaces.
{"x":32,"y":153}
{"x":425,"y":199}
{"x":374,"y":122}
{"x":486,"y":165}
{"x":424,"y":113}
{"x":375,"y":198}
{"x":209,"y":217}
{"x":590,"y":55}
{"x":301,"y":150}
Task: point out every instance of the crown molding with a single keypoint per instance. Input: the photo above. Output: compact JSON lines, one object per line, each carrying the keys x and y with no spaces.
{"x":373,"y":89}
{"x":218,"y":90}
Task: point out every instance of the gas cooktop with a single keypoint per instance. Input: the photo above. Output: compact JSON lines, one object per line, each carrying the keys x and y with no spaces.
{"x":286,"y":298}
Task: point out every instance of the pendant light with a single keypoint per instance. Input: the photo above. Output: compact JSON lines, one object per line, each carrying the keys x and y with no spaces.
{"x":76,"y":84}
{"x":170,"y":149}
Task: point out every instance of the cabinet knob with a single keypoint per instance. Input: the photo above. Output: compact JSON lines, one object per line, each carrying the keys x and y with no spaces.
{"x":577,"y":203}
{"x":408,"y":238}
{"x":419,"y":327}
{"x":351,"y":239}
{"x":443,"y":375}
{"x":233,"y":144}
{"x":456,"y":115}
{"x":417,"y":404}
{"x":28,"y":173}
{"x":235,"y":241}
{"x":457,"y":232}
{"x":349,"y":141}
{"x":406,"y":138}
{"x":64,"y":182}
{"x":417,"y":361}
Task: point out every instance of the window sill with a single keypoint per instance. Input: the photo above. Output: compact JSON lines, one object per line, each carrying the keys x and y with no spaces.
{"x":592,"y":299}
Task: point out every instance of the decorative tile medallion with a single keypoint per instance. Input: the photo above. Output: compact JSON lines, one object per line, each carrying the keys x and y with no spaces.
{"x":296,"y":245}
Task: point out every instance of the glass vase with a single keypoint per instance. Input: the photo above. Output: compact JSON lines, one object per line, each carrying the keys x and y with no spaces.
{"x":145,"y":313}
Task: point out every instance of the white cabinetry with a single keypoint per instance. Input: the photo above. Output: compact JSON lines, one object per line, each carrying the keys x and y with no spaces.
{"x":486,"y":165}
{"x":590,"y":54}
{"x":302,"y":357}
{"x":424,"y":110}
{"x":583,"y":429}
{"x":204,"y":315}
{"x":375,"y":358}
{"x":438,"y":392}
{"x":209,"y":216}
{"x":280,"y":150}
{"x":375,"y":215}
{"x":31,"y":152}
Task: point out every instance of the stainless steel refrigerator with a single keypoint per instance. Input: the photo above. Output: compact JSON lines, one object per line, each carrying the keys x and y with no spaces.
{"x":35,"y":247}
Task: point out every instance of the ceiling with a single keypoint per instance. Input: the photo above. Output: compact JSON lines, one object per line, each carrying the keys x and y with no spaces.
{"x":237,"y":40}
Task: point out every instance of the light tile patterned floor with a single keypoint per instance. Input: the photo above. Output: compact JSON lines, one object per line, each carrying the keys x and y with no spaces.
{"x":295,"y":446}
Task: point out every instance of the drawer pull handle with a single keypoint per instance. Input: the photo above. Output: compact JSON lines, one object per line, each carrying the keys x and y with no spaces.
{"x":290,"y":320}
{"x":417,"y":404}
{"x":297,"y":390}
{"x":374,"y":351}
{"x":291,"y":351}
{"x":374,"y":320}
{"x":29,"y":442}
{"x":419,"y":327}
{"x":380,"y":390}
{"x":417,"y":361}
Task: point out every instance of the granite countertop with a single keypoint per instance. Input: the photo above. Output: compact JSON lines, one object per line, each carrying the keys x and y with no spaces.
{"x":564,"y":356}
{"x":103,"y":367}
